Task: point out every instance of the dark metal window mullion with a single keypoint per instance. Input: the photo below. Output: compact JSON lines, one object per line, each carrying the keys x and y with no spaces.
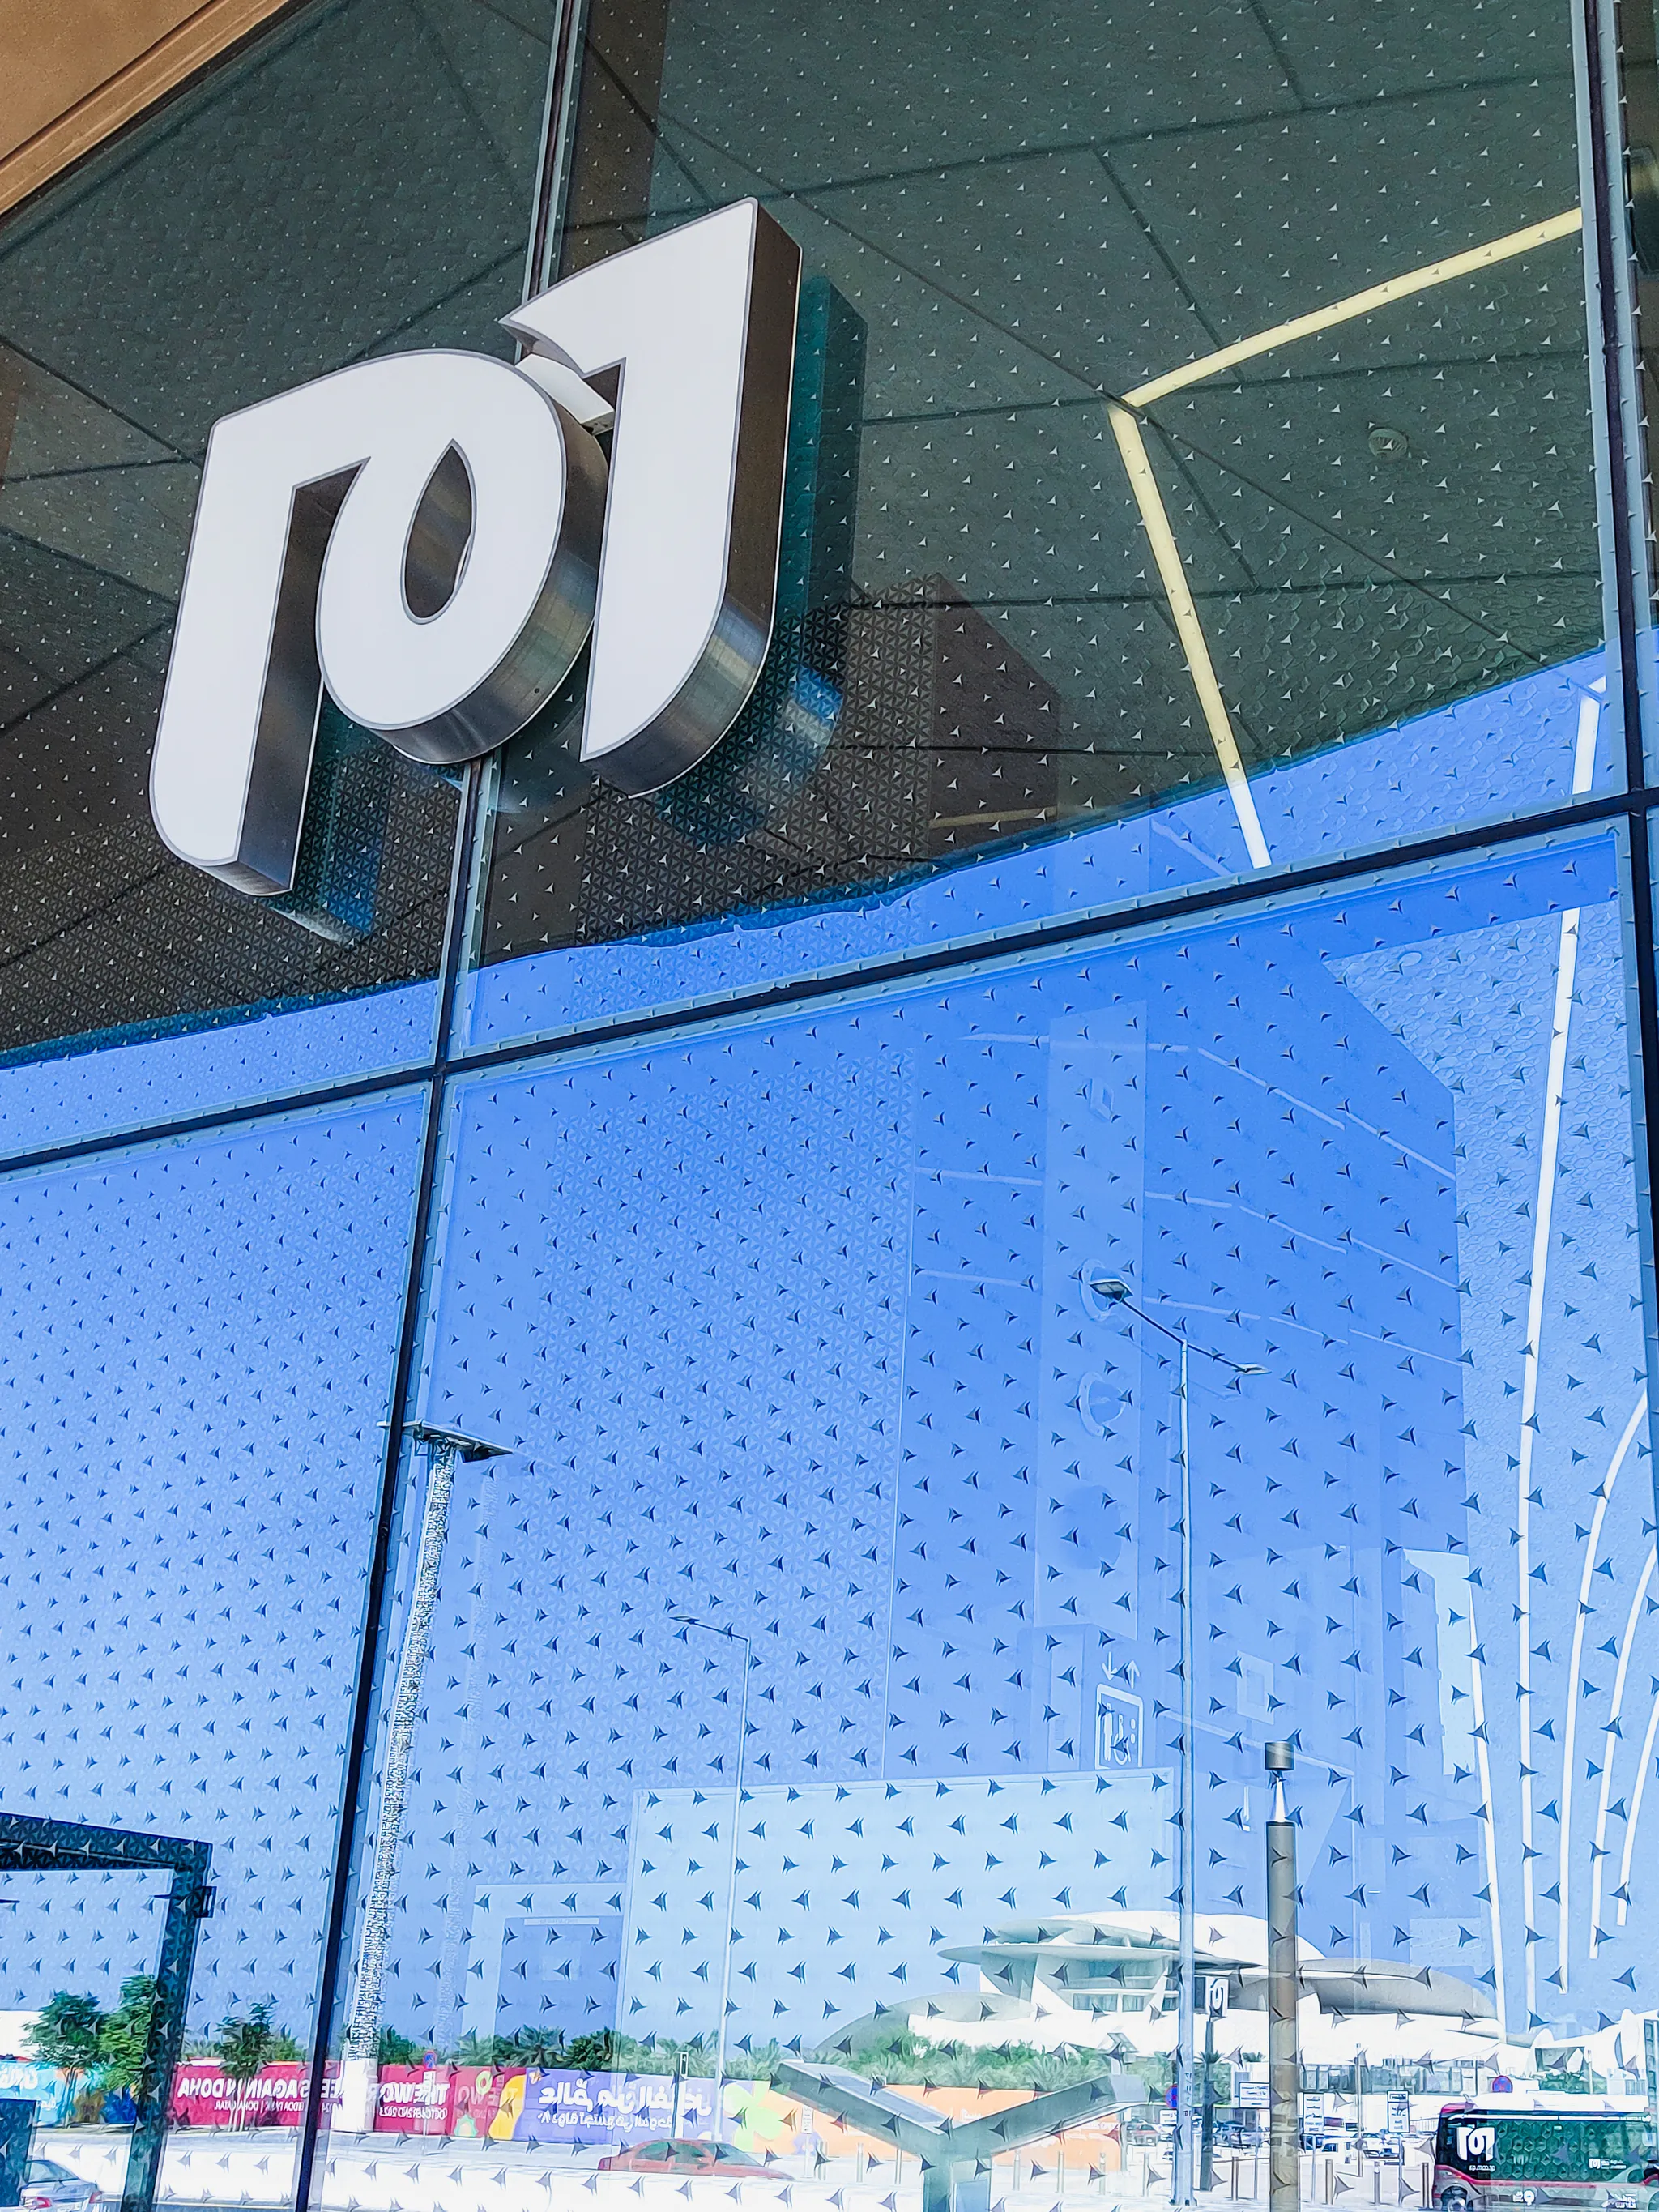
{"x":356,"y":1781}
{"x":1610,"y":242}
{"x":469,"y":875}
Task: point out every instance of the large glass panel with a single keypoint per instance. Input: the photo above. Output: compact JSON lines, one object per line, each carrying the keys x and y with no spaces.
{"x":360,"y":181}
{"x":1638,"y":75}
{"x":1193,"y":469}
{"x":202,"y":1342}
{"x":887,"y":1392}
{"x":94,"y":1938}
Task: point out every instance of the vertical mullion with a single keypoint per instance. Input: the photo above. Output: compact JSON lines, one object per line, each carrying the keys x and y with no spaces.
{"x":1608,"y":246}
{"x":468,"y":879}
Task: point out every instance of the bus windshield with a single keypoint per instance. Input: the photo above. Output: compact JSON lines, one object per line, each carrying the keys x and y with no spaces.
{"x":1543,"y":2146}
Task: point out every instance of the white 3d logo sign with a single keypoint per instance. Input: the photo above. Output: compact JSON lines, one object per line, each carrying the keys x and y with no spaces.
{"x":431,"y":538}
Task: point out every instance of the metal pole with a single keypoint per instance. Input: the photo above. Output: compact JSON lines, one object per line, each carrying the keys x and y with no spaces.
{"x":731,"y":1897}
{"x":189,"y":1901}
{"x":1181,"y":2165}
{"x":1206,"y":2106}
{"x":1180,"y":2190}
{"x":363,"y":2035}
{"x":1284,"y":2062}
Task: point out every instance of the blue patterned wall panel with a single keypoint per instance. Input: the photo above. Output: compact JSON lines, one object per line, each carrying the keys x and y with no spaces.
{"x":95,"y":1928}
{"x":200,"y":1345}
{"x":794,"y":1329}
{"x":148,"y":1082}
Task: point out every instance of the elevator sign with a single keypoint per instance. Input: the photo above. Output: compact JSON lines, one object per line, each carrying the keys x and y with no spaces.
{"x":433,"y":538}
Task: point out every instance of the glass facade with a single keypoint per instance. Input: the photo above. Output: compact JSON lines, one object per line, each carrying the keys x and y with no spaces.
{"x":704,"y":1436}
{"x":357,"y":183}
{"x":1195,"y":473}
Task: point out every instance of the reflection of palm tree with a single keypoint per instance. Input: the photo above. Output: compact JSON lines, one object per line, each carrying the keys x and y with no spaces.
{"x":124,"y":2040}
{"x":65,"y":2037}
{"x":246,"y":2045}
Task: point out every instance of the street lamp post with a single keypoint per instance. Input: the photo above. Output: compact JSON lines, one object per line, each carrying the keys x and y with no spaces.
{"x":1181,"y":2189}
{"x":1283,"y":1988}
{"x":446,"y":1448}
{"x":714,"y":1628}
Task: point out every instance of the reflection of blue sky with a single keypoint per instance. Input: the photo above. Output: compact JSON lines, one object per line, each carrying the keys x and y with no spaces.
{"x":1491,"y":755}
{"x":1503,"y":751}
{"x":791,"y":1323}
{"x":97,"y":1928}
{"x":1556,"y":1450}
{"x":144,"y":1086}
{"x":200,"y":1340}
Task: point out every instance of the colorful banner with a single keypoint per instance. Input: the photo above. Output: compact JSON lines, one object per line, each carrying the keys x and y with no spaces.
{"x":206,"y":2096}
{"x":611,"y":2108}
{"x":551,"y":2105}
{"x":52,"y":2093}
{"x":480,"y":2103}
{"x":519,"y":2105}
{"x":414,"y":2100}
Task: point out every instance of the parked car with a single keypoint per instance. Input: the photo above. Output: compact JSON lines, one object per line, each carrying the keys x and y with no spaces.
{"x":681,"y":2155}
{"x":1233,"y":2135}
{"x":1390,"y":2148}
{"x":1330,"y":2139}
{"x":48,"y":2185}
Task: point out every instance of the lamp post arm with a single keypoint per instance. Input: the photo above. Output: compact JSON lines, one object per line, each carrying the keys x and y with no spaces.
{"x":1119,"y":1294}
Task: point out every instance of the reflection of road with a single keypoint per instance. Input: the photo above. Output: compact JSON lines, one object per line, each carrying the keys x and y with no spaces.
{"x":212,"y":2168}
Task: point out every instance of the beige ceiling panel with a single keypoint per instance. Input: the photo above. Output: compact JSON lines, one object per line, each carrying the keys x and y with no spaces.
{"x":70,"y":74}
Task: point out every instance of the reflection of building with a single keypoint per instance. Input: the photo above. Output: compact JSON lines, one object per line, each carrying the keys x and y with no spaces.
{"x":927,"y":1859}
{"x":533,"y":1951}
{"x":1111,"y":1979}
{"x":1104,"y":1970}
{"x":1013,"y":1489}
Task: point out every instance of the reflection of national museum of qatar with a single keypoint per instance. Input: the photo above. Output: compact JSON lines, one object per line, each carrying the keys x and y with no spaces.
{"x":828,"y":1041}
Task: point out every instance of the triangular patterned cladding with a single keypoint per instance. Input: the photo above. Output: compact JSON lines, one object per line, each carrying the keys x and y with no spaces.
{"x":1525,"y":1026}
{"x":847,"y":1895}
{"x":200,"y":1340}
{"x":95,"y":1929}
{"x":794,"y":1328}
{"x":1514,"y":746}
{"x":685,"y":1292}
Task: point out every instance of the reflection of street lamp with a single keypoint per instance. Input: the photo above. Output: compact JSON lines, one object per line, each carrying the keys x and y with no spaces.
{"x":714,"y":1628}
{"x":444,"y":1446}
{"x":1283,"y":1988}
{"x":1181,"y":2180}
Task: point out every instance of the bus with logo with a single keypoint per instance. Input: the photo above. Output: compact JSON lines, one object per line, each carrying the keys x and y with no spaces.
{"x":1554,"y":2156}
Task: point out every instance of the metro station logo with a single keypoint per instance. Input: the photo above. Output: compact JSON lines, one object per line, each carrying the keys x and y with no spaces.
{"x":432,"y":538}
